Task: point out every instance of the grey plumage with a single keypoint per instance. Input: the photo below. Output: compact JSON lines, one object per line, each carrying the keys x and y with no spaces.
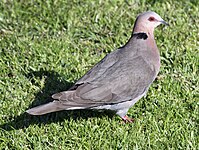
{"x":118,"y":80}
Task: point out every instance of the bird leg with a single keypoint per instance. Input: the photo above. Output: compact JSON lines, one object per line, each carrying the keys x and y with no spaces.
{"x":126,"y":119}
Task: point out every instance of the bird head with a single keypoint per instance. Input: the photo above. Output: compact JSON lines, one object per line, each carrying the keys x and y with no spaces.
{"x":147,"y":22}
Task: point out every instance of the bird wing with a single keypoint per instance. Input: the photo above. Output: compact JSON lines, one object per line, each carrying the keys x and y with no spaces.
{"x":121,"y":76}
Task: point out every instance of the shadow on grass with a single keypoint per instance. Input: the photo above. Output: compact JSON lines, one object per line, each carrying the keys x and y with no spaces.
{"x":53,"y":83}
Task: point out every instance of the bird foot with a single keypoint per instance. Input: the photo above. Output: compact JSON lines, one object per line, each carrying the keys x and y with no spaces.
{"x":126,"y":119}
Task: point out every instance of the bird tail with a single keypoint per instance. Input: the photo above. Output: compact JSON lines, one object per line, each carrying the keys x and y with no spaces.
{"x":46,"y":108}
{"x":52,"y":107}
{"x":57,"y":105}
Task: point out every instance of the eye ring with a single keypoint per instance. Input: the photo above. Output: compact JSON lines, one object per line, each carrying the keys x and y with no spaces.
{"x":151,"y":19}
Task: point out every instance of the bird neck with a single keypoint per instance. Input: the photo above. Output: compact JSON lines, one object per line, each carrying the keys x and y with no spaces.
{"x":140,"y":28}
{"x":148,"y":31}
{"x":151,"y":44}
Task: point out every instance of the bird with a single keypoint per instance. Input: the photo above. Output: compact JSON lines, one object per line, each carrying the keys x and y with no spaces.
{"x":119,"y":80}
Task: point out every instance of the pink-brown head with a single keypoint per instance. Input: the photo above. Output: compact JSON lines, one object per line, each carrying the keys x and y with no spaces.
{"x":147,"y":21}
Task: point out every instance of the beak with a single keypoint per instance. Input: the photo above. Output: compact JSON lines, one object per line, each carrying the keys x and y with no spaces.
{"x":164,"y":22}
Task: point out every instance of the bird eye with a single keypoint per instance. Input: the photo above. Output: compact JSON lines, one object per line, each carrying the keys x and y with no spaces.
{"x":151,"y":19}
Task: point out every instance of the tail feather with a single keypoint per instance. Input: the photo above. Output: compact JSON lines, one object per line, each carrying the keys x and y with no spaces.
{"x":46,"y":108}
{"x":51,"y":107}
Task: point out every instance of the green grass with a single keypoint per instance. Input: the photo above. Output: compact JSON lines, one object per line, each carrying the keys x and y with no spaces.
{"x":46,"y":46}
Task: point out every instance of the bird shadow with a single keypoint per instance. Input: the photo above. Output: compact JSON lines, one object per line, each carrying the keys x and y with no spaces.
{"x":54,"y":82}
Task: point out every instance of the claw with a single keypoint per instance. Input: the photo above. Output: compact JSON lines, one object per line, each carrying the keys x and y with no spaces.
{"x":126,"y":119}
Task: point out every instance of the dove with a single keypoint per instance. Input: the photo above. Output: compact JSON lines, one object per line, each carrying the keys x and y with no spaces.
{"x":120,"y":79}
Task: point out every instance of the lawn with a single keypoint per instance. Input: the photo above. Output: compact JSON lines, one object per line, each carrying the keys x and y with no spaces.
{"x":46,"y":46}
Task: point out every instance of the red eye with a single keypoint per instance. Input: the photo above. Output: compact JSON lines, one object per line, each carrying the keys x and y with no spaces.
{"x":151,"y":19}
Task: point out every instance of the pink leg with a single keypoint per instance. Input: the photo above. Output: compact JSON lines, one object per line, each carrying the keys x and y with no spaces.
{"x":126,"y":119}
